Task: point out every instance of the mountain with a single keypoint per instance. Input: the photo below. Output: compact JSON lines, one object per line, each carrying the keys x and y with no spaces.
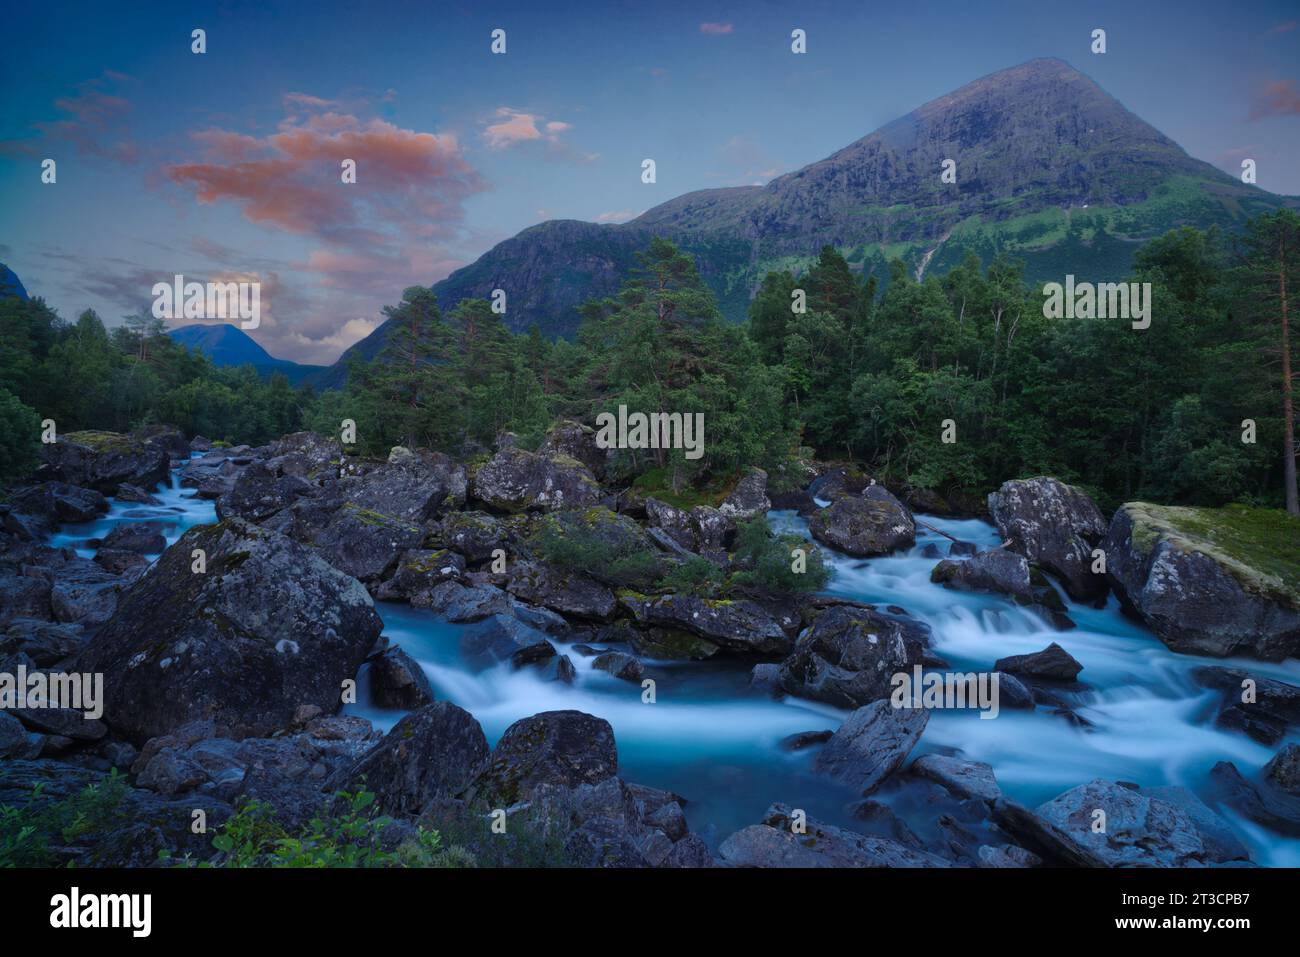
{"x":10,"y":284}
{"x":1050,"y":167}
{"x":228,"y":345}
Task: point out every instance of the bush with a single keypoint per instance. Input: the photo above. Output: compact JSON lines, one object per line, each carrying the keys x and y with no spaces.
{"x":695,"y":576}
{"x":767,"y":561}
{"x":614,"y":555}
{"x":26,"y":833}
{"x":20,"y":437}
{"x":352,"y":838}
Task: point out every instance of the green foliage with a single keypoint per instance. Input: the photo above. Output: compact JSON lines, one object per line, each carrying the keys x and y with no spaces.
{"x":19,"y":437}
{"x":694,"y":576}
{"x":28,"y":834}
{"x":577,"y":541}
{"x":767,"y":561}
{"x":352,"y":837}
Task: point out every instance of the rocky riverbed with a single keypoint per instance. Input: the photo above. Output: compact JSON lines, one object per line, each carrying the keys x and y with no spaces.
{"x":487,"y":640}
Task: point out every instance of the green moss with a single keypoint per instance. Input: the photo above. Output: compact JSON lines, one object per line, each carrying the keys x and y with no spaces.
{"x":368,"y":516}
{"x":657,"y":483}
{"x":103,"y":441}
{"x":1259,"y":547}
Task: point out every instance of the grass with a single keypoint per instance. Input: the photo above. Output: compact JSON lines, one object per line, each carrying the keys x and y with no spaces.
{"x":1260,"y":547}
{"x":657,"y":483}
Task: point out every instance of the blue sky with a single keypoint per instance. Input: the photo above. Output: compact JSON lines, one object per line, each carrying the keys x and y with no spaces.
{"x":225,"y":165}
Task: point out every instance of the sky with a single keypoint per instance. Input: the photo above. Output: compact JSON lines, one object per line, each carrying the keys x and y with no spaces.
{"x":225,"y":165}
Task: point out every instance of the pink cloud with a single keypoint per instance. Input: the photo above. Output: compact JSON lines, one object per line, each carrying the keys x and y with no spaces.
{"x":515,"y":127}
{"x":716,"y":29}
{"x":1279,"y":98}
{"x":1285,"y":27}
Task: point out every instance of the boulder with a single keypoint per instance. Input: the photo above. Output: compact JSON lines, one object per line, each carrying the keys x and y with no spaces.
{"x":870,"y":525}
{"x":1193,"y":581}
{"x":748,"y":499}
{"x":50,"y":504}
{"x":849,"y":655}
{"x":464,"y":603}
{"x":411,"y":487}
{"x":45,"y":643}
{"x":430,"y":755}
{"x":573,"y":440}
{"x":1004,"y":572}
{"x":783,"y":840}
{"x":566,"y":749}
{"x":266,"y":627}
{"x":504,"y":638}
{"x":741,"y":626}
{"x":103,"y":461}
{"x":1054,"y":525}
{"x":1264,"y":803}
{"x":167,"y":438}
{"x":259,"y":491}
{"x":366,"y":543}
{"x":561,"y":590}
{"x":1283,"y":770}
{"x":619,"y":665}
{"x":1138,"y":830}
{"x":515,"y":480}
{"x":476,"y":535}
{"x":1262,"y":707}
{"x":419,"y":571}
{"x":143,"y":538}
{"x":1053,"y":662}
{"x":871,"y":744}
{"x":398,"y":681}
{"x":963,"y":778}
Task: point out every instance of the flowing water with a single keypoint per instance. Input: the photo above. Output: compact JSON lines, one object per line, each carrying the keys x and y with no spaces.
{"x":709,"y":738}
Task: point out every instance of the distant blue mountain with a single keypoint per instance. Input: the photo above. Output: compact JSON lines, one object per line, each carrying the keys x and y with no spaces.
{"x":10,"y":284}
{"x":228,"y":345}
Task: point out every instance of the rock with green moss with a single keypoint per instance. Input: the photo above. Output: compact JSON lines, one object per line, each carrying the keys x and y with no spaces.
{"x":561,"y":748}
{"x":515,"y":480}
{"x":1210,"y":581}
{"x":870,"y":524}
{"x":103,"y":461}
{"x":742,"y":626}
{"x":419,"y":571}
{"x":563,"y":590}
{"x":670,"y":644}
{"x":263,"y":626}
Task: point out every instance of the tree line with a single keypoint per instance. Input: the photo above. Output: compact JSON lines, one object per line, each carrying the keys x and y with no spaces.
{"x":953,"y":382}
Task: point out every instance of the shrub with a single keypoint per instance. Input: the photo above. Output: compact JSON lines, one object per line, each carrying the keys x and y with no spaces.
{"x":767,"y":563}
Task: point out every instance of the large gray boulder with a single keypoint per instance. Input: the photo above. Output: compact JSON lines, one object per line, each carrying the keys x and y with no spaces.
{"x":1198,"y":586}
{"x":515,"y":480}
{"x":103,"y":461}
{"x":874,"y":524}
{"x":565,"y":749}
{"x":266,"y":627}
{"x":1054,"y":525}
{"x":430,"y":755}
{"x":784,"y":840}
{"x":849,"y":655}
{"x":740,"y":625}
{"x":748,"y":499}
{"x":871,"y":744}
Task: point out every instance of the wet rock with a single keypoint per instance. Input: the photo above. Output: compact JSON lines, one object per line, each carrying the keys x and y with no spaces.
{"x":398,"y":681}
{"x":515,"y":480}
{"x":1265,"y":804}
{"x":1055,"y":526}
{"x":874,"y":524}
{"x":1138,"y":830}
{"x":1007,"y":855}
{"x":143,"y":538}
{"x":167,"y":438}
{"x":561,"y":748}
{"x":45,"y":643}
{"x":267,"y":627}
{"x":804,"y":739}
{"x":1004,"y":572}
{"x":464,"y":603}
{"x":430,"y":755}
{"x":1013,"y":693}
{"x":418,"y":572}
{"x":474,"y":534}
{"x":741,"y":626}
{"x":1262,"y":707}
{"x":849,"y":656}
{"x":50,"y":504}
{"x":1196,"y":596}
{"x":84,"y":593}
{"x":781,"y":840}
{"x":503,"y":638}
{"x":561,"y":670}
{"x":765,"y":678}
{"x":871,"y":744}
{"x":670,"y":644}
{"x":561,"y":590}
{"x":1053,"y":663}
{"x":214,"y":474}
{"x":133,"y":493}
{"x":103,"y":461}
{"x":965,"y":779}
{"x":128,"y":565}
{"x":619,"y":665}
{"x":1283,"y":770}
{"x":962,"y":548}
{"x":748,"y":499}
